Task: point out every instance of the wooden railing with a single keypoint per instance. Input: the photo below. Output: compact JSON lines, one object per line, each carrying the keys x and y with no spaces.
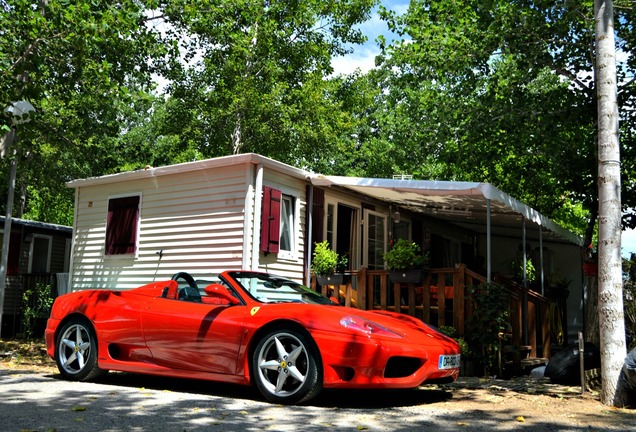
{"x":443,"y":299}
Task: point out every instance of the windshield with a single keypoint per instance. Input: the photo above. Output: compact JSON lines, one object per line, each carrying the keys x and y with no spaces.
{"x":268,"y":288}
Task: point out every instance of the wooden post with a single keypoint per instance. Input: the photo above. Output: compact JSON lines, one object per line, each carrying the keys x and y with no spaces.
{"x":383,"y":292}
{"x":532,"y":325}
{"x":546,"y":332}
{"x":411,"y":297}
{"x":397,"y":297}
{"x":459,"y":284}
{"x":363,"y":296}
{"x":426,"y":299}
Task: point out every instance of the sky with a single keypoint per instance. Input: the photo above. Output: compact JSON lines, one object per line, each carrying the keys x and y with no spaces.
{"x":363,"y":58}
{"x":628,"y":243}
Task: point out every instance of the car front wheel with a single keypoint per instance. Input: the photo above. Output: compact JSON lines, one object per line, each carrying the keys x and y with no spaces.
{"x":287,"y":367}
{"x":76,"y":351}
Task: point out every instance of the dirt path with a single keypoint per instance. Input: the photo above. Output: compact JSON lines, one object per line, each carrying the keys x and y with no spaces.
{"x":29,"y":377}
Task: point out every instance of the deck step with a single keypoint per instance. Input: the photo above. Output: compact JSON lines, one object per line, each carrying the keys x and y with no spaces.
{"x":533,"y":361}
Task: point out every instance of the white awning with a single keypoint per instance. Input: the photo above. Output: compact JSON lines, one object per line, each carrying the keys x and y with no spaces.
{"x":462,"y":203}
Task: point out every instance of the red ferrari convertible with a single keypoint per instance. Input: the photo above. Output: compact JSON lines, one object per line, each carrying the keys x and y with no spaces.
{"x":248,"y":327}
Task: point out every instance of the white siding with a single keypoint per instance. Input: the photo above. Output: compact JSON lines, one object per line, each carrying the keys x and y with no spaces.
{"x":196,"y":218}
{"x":290,"y":267}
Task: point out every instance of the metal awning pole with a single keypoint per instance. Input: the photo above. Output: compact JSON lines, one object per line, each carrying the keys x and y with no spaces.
{"x":524,"y":295}
{"x":310,"y":230}
{"x":541,"y":258}
{"x":488,"y":244}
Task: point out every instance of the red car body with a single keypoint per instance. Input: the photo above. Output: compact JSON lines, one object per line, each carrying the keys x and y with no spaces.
{"x":223,"y":336}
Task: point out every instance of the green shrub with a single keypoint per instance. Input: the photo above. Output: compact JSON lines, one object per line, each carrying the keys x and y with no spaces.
{"x":488,"y":324}
{"x":326,"y":261}
{"x":36,"y":304}
{"x":405,"y":255}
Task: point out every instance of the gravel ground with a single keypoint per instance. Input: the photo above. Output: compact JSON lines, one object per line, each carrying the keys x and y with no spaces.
{"x":42,"y":401}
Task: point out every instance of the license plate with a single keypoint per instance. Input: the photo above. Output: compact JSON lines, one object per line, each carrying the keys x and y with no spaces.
{"x":449,"y":361}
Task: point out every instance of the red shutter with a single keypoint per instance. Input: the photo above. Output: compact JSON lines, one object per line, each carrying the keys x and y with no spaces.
{"x":270,"y":220}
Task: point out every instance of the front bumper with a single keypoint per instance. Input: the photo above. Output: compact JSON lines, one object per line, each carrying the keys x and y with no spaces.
{"x":352,"y":361}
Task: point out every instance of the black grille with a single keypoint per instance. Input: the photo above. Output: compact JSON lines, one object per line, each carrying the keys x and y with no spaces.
{"x":399,"y":367}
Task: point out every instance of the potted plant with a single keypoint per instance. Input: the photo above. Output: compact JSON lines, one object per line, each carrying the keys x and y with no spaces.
{"x":328,"y":265}
{"x":405,"y":262}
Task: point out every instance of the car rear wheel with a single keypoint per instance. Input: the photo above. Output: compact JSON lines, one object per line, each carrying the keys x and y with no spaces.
{"x":76,"y":351}
{"x":287,"y":367}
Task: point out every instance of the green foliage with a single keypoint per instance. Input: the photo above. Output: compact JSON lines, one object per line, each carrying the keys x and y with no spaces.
{"x":81,"y":64}
{"x":465,"y":350}
{"x":502,"y":94}
{"x":449,"y":331}
{"x":326,"y":261}
{"x":488,"y":324}
{"x":259,"y":77}
{"x":516,"y":266}
{"x":36,"y":304}
{"x":405,"y":255}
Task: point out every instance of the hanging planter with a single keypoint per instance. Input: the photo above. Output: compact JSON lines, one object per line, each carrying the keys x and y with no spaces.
{"x":334,"y":279}
{"x":407,"y":276}
{"x":406,"y":263}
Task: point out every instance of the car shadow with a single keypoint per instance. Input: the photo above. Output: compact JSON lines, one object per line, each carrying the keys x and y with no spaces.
{"x":376,"y":399}
{"x":341,"y":398}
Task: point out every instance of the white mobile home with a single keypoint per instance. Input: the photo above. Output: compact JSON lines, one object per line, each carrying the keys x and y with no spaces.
{"x":251,"y":212}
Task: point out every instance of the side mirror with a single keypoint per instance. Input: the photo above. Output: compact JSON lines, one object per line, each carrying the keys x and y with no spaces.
{"x":219,"y":291}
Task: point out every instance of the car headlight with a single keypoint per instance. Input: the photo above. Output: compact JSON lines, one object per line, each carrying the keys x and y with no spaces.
{"x":367,"y":327}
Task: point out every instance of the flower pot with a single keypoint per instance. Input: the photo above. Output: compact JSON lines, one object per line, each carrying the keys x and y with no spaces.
{"x":407,"y":276}
{"x":334,"y":279}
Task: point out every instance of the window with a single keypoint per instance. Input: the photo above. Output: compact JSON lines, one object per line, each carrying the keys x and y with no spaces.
{"x":331,"y":222}
{"x":122,"y":225}
{"x":287,"y":225}
{"x":375,"y":224}
{"x":278,"y":223}
{"x":40,"y":254}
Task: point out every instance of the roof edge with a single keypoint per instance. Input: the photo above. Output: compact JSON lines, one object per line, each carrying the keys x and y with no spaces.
{"x":149,"y":172}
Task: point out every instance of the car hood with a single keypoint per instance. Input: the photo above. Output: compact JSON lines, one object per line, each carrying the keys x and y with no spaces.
{"x":327,"y":318}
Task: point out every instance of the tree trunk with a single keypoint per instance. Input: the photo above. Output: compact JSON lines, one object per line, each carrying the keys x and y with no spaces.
{"x":610,"y":283}
{"x":237,"y":141}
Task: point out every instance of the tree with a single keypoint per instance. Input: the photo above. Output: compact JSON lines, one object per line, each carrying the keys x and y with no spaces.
{"x":504,"y":91}
{"x":501,"y":92}
{"x":257,"y":76}
{"x":610,"y":286}
{"x":80,"y":63}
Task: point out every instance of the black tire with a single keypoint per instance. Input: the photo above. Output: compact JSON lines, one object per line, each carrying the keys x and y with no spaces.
{"x":286,"y":367}
{"x":76,"y":351}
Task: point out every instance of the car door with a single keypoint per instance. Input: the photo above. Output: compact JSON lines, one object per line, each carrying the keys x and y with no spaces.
{"x":194,"y":336}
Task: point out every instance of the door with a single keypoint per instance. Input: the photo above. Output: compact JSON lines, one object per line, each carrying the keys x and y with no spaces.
{"x":194,"y":336}
{"x":375,"y":239}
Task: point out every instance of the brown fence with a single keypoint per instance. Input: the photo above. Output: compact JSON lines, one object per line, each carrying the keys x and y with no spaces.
{"x":443,"y":299}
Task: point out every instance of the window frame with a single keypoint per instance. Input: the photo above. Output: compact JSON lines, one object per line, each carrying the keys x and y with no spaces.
{"x":289,"y":225}
{"x":107,"y":246}
{"x":48,"y":252}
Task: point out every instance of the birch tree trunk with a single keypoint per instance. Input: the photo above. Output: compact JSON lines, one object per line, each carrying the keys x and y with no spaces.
{"x":610,"y":283}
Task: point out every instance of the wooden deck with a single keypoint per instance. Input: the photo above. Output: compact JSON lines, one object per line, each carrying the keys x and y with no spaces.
{"x":442,"y":299}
